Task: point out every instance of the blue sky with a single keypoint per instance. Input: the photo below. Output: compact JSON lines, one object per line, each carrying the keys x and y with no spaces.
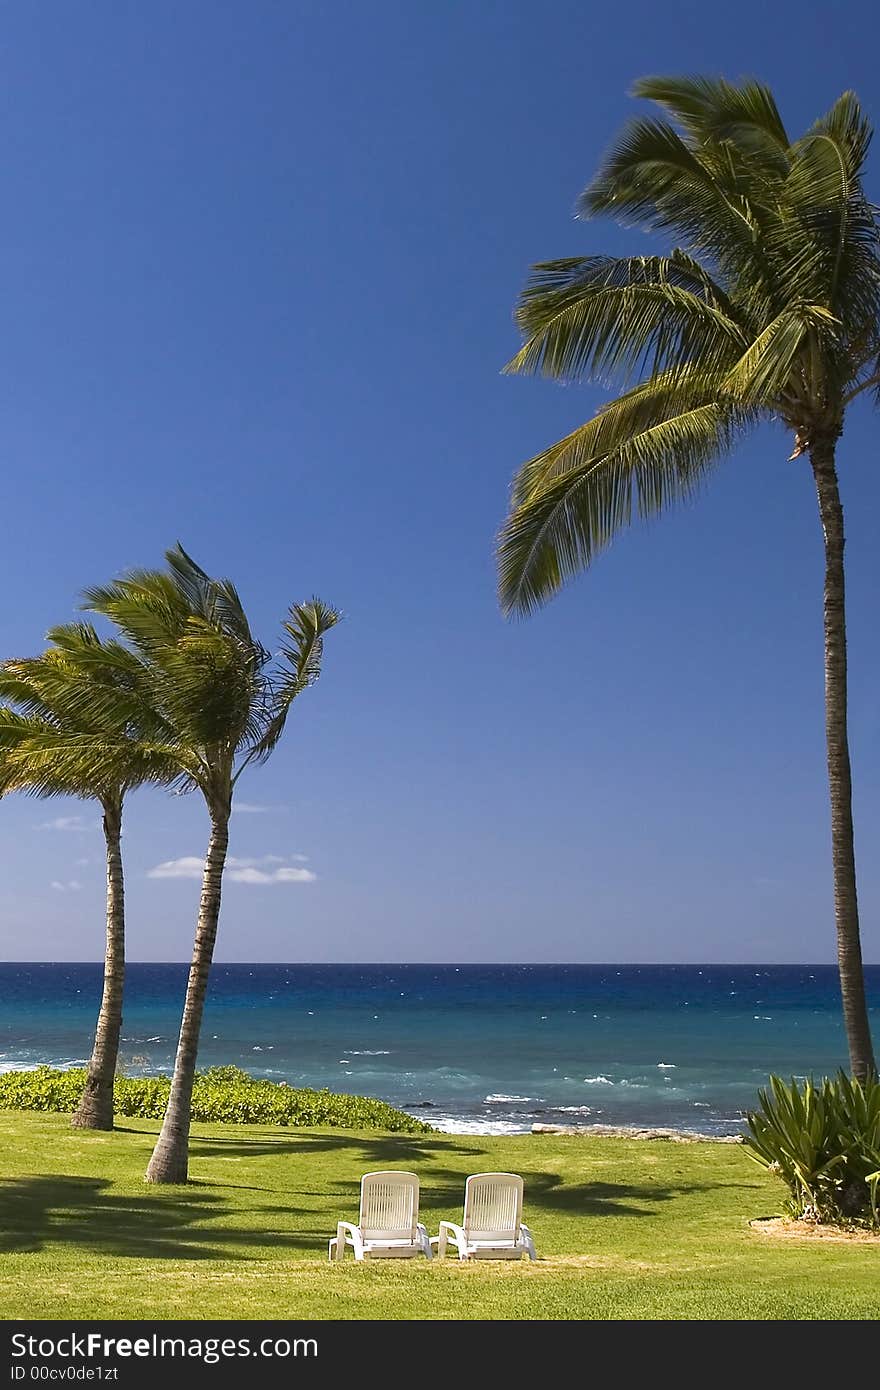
{"x":258,"y":269}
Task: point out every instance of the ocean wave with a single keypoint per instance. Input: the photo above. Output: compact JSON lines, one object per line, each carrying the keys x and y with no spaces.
{"x":598,"y":1081}
{"x":453,"y":1124}
{"x":502,"y":1099}
{"x":573,"y":1110}
{"x":666,"y":1066}
{"x":65,"y":1064}
{"x":370,"y":1052}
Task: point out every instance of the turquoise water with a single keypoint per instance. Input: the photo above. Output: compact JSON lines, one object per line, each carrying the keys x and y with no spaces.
{"x":480,"y":1048}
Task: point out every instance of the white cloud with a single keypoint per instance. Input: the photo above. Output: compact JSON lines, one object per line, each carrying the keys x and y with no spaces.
{"x":284,"y":874}
{"x":66,"y":823}
{"x":189,"y":867}
{"x":267,"y":868}
{"x":249,"y":808}
{"x":71,"y":886}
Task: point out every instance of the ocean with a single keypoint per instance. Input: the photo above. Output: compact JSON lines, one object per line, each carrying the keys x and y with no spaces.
{"x":471,"y":1048}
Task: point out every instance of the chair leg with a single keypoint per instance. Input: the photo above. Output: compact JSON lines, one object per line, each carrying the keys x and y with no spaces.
{"x":332,"y":1249}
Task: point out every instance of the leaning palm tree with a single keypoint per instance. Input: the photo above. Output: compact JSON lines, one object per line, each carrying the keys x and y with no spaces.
{"x":226,"y":704}
{"x":768,"y":309}
{"x":69,"y":729}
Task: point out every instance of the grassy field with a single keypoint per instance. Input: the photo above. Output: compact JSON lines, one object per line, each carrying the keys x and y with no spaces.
{"x":625,"y":1229}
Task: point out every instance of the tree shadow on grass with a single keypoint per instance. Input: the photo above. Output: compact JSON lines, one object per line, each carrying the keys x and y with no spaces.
{"x":549,"y":1192}
{"x":391,"y":1150}
{"x":36,"y":1212}
{"x":442,"y":1188}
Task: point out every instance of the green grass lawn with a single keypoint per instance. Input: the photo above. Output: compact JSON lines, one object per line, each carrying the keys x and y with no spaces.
{"x":624,"y":1229}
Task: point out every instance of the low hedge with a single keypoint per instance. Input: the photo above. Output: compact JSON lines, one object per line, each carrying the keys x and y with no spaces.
{"x":221,"y":1095}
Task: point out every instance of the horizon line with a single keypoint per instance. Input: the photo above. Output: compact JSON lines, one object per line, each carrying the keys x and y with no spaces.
{"x":476,"y":965}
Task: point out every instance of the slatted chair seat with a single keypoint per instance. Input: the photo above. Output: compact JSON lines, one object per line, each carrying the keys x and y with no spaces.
{"x":492,"y":1226}
{"x":388,"y":1225}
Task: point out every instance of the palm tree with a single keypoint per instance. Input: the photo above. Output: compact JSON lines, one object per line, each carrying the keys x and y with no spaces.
{"x":768,"y":309}
{"x":68,"y":730}
{"x":226,"y":704}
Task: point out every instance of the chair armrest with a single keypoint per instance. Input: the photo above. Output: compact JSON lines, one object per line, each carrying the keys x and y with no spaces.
{"x":453,"y":1232}
{"x":449,"y":1231}
{"x":525,"y":1230}
{"x":347,"y":1232}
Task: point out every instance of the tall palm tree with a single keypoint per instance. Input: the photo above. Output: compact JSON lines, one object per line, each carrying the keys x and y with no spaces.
{"x":226,"y":702}
{"x":767,"y":309}
{"x":68,"y":729}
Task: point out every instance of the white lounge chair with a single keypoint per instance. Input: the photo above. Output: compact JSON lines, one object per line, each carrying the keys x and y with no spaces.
{"x":388,"y":1224}
{"x":492,"y":1226}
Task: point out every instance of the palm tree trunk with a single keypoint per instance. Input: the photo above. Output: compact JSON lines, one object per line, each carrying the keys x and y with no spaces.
{"x":849,"y":950}
{"x":95,"y":1109}
{"x":170,"y":1160}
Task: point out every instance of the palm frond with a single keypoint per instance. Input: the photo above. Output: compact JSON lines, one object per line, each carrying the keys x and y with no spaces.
{"x":710,"y":108}
{"x":654,"y":179}
{"x":559,"y":528}
{"x":827,"y":235}
{"x":662,"y":397}
{"x":607,"y":316}
{"x":301,"y":657}
{"x":764,"y":372}
{"x":215,"y":600}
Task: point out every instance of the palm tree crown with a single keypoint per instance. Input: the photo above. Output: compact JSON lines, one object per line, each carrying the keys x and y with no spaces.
{"x":212,"y":693}
{"x":769,"y":308}
{"x":75,"y":721}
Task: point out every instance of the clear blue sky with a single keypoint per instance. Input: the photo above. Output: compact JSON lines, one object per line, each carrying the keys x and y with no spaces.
{"x":257,"y":273}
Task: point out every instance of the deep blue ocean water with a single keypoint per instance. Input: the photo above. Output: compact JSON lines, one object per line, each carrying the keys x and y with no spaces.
{"x":482,"y":1048}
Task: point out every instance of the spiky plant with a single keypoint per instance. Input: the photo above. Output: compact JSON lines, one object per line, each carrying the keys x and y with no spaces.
{"x":767,"y":309}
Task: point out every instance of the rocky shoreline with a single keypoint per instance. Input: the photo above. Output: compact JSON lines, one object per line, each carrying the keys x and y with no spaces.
{"x":675,"y":1136}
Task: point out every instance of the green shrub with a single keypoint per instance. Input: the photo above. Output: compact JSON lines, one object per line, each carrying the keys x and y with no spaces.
{"x":224,"y":1095}
{"x":824,"y":1142}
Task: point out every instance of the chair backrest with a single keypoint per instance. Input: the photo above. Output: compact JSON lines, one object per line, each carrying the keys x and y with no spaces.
{"x":389,"y":1206}
{"x":493,"y":1204}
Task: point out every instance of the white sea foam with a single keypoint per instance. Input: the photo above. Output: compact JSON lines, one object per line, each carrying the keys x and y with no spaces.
{"x":666,"y":1066}
{"x":597,"y":1081}
{"x":573,"y":1109}
{"x":451,"y":1124}
{"x":371,"y":1052}
{"x":502,"y":1099}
